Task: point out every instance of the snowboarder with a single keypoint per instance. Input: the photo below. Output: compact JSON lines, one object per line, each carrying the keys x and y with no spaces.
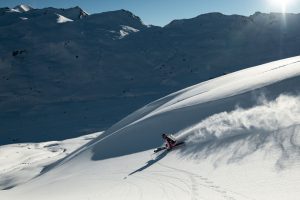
{"x":169,"y":142}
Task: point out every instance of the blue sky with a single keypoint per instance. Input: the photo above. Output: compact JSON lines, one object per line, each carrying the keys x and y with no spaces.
{"x":161,"y":12}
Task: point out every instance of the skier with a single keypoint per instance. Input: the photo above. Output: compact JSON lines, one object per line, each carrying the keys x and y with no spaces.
{"x":169,"y":142}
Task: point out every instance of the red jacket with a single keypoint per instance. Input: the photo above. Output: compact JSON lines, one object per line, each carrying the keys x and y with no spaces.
{"x":170,"y":143}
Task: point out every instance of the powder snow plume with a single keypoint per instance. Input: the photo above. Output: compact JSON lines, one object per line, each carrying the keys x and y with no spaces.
{"x":274,"y":122}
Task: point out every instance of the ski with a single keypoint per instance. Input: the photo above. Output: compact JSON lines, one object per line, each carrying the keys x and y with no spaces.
{"x":159,"y":149}
{"x":164,"y":148}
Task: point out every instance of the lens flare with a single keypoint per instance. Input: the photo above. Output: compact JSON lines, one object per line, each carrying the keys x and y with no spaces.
{"x":282,"y":4}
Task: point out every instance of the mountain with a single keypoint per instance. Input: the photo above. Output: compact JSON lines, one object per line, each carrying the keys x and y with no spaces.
{"x":52,"y":72}
{"x":61,"y":80}
{"x":241,"y":134}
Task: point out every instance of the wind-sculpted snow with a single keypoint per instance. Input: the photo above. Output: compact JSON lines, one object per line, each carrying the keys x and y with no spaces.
{"x":276,"y":122}
{"x":184,"y":108}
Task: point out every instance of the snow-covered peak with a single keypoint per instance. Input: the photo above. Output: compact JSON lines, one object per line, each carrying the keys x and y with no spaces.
{"x":62,"y":19}
{"x":22,"y":8}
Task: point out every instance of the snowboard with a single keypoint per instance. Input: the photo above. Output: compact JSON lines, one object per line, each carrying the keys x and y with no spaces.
{"x":164,"y":148}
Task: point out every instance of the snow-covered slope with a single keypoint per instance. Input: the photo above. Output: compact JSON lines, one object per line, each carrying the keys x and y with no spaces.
{"x":21,"y":162}
{"x":94,"y":71}
{"x":242,"y":138}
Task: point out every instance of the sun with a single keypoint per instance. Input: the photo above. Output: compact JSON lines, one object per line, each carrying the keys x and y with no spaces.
{"x":282,"y":4}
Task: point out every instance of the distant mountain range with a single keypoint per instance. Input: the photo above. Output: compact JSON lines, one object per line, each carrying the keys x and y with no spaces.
{"x":65,"y":73}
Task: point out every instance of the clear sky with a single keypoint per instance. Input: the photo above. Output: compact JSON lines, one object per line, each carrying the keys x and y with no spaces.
{"x":161,"y":12}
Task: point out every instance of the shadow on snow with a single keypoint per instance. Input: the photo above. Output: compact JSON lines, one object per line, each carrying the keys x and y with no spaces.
{"x":150,"y":163}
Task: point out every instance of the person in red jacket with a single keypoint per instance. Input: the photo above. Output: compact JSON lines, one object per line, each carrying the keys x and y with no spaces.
{"x":169,"y":142}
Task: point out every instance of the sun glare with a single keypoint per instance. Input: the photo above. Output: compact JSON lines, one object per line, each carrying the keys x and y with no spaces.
{"x":282,"y":4}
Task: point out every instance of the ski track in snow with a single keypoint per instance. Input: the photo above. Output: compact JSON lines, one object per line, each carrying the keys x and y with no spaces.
{"x":196,"y":182}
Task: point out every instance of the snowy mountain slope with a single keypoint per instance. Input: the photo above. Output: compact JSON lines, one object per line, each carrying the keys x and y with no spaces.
{"x":52,"y":73}
{"x":11,"y":17}
{"x":58,"y":77}
{"x":195,"y":103}
{"x":242,"y":142}
{"x":22,"y":162}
